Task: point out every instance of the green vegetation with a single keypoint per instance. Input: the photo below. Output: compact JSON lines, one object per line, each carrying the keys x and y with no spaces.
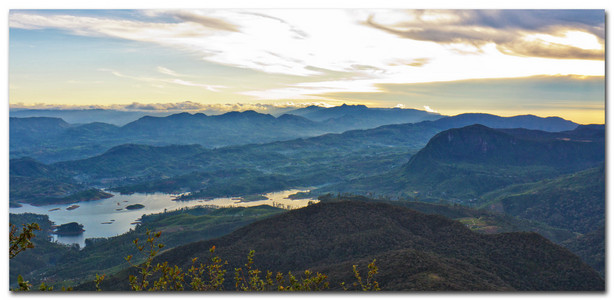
{"x":300,"y":195}
{"x":72,"y":228}
{"x":52,"y":139}
{"x":460,"y":165}
{"x":478,"y":220}
{"x":134,"y":206}
{"x":427,"y":252}
{"x":39,"y":184}
{"x":520,"y":181}
{"x":105,"y":255}
{"x":423,"y":252}
{"x":44,"y":252}
{"x":574,"y":202}
{"x":226,"y":183}
{"x":250,"y":198}
{"x":229,"y":171}
{"x":19,"y":242}
{"x":174,"y":278}
{"x":22,"y":241}
{"x":360,"y":158}
{"x":591,"y":248}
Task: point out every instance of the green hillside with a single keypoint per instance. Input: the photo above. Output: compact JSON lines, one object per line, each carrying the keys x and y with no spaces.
{"x":442,"y":254}
{"x":462,"y":164}
{"x":575,"y":202}
{"x":58,"y":264}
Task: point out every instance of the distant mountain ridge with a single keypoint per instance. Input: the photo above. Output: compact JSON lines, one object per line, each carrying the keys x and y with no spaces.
{"x":552,"y":124}
{"x":51,"y":139}
{"x":82,"y":116}
{"x":362,"y":117}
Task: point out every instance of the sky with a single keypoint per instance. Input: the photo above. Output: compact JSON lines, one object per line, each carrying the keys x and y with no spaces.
{"x":505,"y":62}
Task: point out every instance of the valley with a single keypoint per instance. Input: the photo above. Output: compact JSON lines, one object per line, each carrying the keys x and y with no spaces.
{"x":488,"y":174}
{"x":285,"y":149}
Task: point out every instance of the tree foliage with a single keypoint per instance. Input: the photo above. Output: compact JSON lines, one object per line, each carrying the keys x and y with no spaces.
{"x":19,"y":242}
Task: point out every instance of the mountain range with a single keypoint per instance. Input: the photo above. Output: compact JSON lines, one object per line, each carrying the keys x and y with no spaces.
{"x":52,"y":139}
{"x":321,"y":160}
{"x":485,"y":180}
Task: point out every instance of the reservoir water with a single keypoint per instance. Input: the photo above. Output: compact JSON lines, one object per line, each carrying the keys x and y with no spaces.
{"x":109,"y":217}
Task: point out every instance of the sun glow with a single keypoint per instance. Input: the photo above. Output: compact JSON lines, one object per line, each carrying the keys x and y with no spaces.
{"x":222,"y":56}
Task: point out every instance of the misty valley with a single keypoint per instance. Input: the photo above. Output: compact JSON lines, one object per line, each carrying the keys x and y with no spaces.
{"x":430,"y":202}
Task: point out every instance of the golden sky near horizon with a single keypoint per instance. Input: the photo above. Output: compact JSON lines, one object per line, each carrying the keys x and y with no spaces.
{"x":506,"y":62}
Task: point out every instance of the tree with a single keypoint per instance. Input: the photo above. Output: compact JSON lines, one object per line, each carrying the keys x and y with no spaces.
{"x":23,"y":241}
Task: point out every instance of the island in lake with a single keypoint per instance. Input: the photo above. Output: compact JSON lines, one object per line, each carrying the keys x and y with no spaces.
{"x":72,"y":228}
{"x":72,"y":207}
{"x":250,"y":198}
{"x":135,"y":206}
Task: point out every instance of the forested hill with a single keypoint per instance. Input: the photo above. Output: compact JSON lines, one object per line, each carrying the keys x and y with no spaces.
{"x":465,"y":163}
{"x":575,"y":202}
{"x":414,"y":251}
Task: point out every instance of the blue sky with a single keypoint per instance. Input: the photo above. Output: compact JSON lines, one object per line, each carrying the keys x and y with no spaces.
{"x":509,"y":62}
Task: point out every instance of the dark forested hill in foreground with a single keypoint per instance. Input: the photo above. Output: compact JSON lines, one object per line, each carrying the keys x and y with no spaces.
{"x":414,"y":251}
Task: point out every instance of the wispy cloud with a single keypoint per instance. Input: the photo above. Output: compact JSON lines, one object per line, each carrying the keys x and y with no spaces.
{"x":202,"y":18}
{"x":156,"y":81}
{"x":170,"y":72}
{"x":507,"y":29}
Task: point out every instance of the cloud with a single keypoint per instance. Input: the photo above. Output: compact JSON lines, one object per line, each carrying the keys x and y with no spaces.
{"x":505,"y":28}
{"x":418,"y":62}
{"x":189,"y":106}
{"x":549,"y":50}
{"x":310,"y":54}
{"x":202,"y":19}
{"x":170,"y":72}
{"x":156,"y":81}
{"x":285,"y":42}
{"x":314,"y":90}
{"x":428,"y":109}
{"x":579,"y":92}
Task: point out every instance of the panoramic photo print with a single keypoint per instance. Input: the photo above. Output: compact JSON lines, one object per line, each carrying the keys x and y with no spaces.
{"x":306,"y":150}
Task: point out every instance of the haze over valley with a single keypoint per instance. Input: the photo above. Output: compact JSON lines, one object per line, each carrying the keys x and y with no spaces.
{"x":257,"y":150}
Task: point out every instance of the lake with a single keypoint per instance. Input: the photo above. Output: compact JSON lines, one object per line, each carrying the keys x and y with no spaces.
{"x":109,"y":217}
